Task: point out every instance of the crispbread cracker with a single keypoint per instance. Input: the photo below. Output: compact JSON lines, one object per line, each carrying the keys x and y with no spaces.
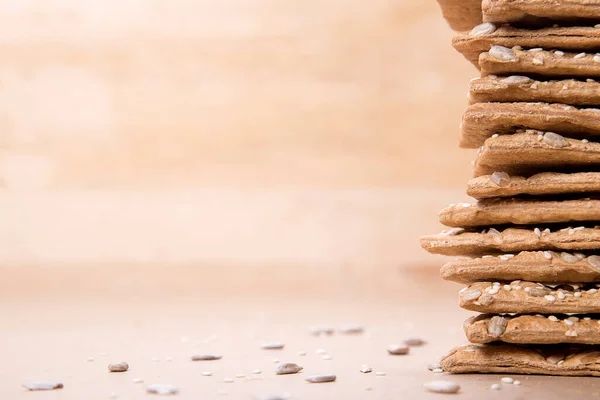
{"x":530,"y":151}
{"x":533,"y":329}
{"x":538,"y":266}
{"x":514,"y":359}
{"x":482,"y":120}
{"x":511,"y":240}
{"x":539,"y":63}
{"x":519,"y":211}
{"x":461,"y":14}
{"x":517,"y":88}
{"x":545,"y":183}
{"x":536,"y":10}
{"x":526,"y":297}
{"x":572,"y":38}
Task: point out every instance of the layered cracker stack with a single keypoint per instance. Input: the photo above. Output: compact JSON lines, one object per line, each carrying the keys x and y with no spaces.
{"x":529,"y":248}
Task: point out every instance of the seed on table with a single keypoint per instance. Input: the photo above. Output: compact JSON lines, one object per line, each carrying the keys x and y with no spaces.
{"x":414,"y":342}
{"x":288,"y":368}
{"x":42,"y":385}
{"x":352,"y":329}
{"x":326,"y":357}
{"x":301,"y":353}
{"x":207,"y":373}
{"x":321,"y":378}
{"x":379,"y":373}
{"x":516,"y":383}
{"x":275,"y":360}
{"x":228,"y":380}
{"x":272,"y":346}
{"x":321,"y":331}
{"x":257,"y":372}
{"x":206,"y":357}
{"x":365,"y":369}
{"x":438,"y":370}
{"x":396,"y":349}
{"x":442,"y":387}
{"x":321,"y":351}
{"x":432,"y":366}
{"x":495,"y":386}
{"x":273,"y":397}
{"x":137,"y":380}
{"x":240,"y":376}
{"x":166,"y":390}
{"x":118,"y":367}
{"x":507,"y":379}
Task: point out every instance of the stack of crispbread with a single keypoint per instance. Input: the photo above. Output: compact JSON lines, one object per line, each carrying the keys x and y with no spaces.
{"x":530,"y":247}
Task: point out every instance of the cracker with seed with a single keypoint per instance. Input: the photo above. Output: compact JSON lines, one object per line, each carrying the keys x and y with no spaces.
{"x":567,"y":359}
{"x":482,"y":120}
{"x":531,"y":151}
{"x":500,"y":184}
{"x":520,"y":211}
{"x":504,"y":61}
{"x":526,"y":297}
{"x":461,"y":14}
{"x":482,"y":37}
{"x":539,"y":11}
{"x":533,"y":329}
{"x":457,"y":242}
{"x":539,"y":266}
{"x":517,"y":88}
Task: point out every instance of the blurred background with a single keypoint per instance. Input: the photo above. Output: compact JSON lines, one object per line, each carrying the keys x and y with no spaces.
{"x":225,"y":172}
{"x":238,"y":132}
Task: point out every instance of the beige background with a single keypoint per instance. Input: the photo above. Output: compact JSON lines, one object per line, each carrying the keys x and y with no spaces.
{"x":252,"y":131}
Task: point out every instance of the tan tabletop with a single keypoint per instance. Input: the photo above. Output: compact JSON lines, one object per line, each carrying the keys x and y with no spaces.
{"x":54,"y":319}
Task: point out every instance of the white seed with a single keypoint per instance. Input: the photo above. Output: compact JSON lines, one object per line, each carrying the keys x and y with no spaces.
{"x":561,"y":295}
{"x":516,"y":80}
{"x":240,"y":376}
{"x":118,"y":367}
{"x":396,"y":349}
{"x":495,"y":386}
{"x":414,"y":342}
{"x":507,"y":379}
{"x":548,"y":255}
{"x":535,"y":50}
{"x":326,"y":357}
{"x":567,"y":322}
{"x":508,"y":288}
{"x":502,"y":179}
{"x":207,"y":373}
{"x":380,"y":373}
{"x":321,"y":378}
{"x":594,"y":261}
{"x":228,"y":380}
{"x":272,"y":346}
{"x":438,"y":371}
{"x":162,"y":389}
{"x":578,"y":56}
{"x":502,"y":53}
{"x":42,"y":385}
{"x":592,"y":291}
{"x":137,"y":380}
{"x":365,"y":369}
{"x":537,"y":61}
{"x":321,"y":351}
{"x":466,"y":205}
{"x":352,"y":329}
{"x":257,"y":372}
{"x":322,"y":330}
{"x":442,"y":387}
{"x":569,"y":258}
{"x":206,"y":357}
{"x":516,"y":383}
{"x":596,"y":58}
{"x":550,"y":298}
{"x":275,"y":360}
{"x":288,"y":368}
{"x":483,"y":29}
{"x":537,"y":232}
{"x":577,"y":294}
{"x":559,"y":53}
{"x":555,"y":140}
{"x":497,"y":326}
{"x":432,"y":366}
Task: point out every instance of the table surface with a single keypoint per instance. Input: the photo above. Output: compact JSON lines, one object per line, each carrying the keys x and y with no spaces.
{"x":54,"y":319}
